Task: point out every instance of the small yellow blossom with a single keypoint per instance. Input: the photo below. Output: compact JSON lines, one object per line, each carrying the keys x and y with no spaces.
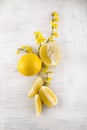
{"x":55,"y":34}
{"x":55,"y":19}
{"x":51,"y":39}
{"x":38,"y":34}
{"x":39,"y":37}
{"x":54,"y":25}
{"x":55,"y":14}
{"x":28,"y":49}
{"x":23,"y":47}
{"x":44,"y":70}
{"x":47,"y":81}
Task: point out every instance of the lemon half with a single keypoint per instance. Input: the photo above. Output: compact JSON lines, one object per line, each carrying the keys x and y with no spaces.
{"x":38,"y":104}
{"x":29,"y":64}
{"x":47,"y":96}
{"x":50,"y":54}
{"x":36,"y":86}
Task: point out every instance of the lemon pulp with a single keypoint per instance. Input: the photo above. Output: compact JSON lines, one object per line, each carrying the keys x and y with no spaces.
{"x":47,"y":96}
{"x":50,"y":54}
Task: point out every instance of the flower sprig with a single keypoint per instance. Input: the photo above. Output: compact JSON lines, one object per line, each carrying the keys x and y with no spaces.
{"x":26,"y":49}
{"x":47,"y":73}
{"x":39,"y":37}
{"x":54,"y":26}
{"x":48,"y":79}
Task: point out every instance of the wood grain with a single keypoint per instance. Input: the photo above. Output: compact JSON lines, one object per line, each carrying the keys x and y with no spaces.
{"x":18,"y":20}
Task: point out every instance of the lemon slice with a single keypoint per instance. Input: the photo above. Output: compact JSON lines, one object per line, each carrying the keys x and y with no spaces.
{"x":38,"y":104}
{"x":50,"y":54}
{"x":36,"y":86}
{"x":47,"y":96}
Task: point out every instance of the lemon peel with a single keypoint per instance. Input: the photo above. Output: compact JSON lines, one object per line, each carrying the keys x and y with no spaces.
{"x":38,"y":104}
{"x":29,"y":64}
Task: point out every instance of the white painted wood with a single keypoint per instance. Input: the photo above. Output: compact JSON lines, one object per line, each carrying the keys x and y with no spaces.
{"x":18,"y":20}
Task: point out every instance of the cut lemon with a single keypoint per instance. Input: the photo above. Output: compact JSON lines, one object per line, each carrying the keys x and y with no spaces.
{"x":36,"y":86}
{"x":29,"y":64}
{"x":47,"y":96}
{"x":50,"y":54}
{"x":38,"y":104}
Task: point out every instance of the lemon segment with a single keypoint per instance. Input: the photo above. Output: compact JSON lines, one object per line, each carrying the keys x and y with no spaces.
{"x":47,"y":96}
{"x":29,"y":64}
{"x":50,"y":54}
{"x":38,"y":104}
{"x":36,"y":86}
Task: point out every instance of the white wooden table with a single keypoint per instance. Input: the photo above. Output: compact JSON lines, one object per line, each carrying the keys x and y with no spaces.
{"x":18,"y":20}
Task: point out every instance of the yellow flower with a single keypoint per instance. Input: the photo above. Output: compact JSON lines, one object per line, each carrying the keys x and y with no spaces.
{"x":54,"y":25}
{"x":23,"y":47}
{"x":28,"y":49}
{"x":55,"y":14}
{"x":51,"y":39}
{"x":56,"y":19}
{"x":44,"y":70}
{"x":55,"y":34}
{"x":43,"y":39}
{"x":48,"y":80}
{"x":39,"y":37}
{"x":38,"y":34}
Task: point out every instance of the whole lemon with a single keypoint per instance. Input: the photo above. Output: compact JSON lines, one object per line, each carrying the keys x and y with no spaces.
{"x":29,"y":64}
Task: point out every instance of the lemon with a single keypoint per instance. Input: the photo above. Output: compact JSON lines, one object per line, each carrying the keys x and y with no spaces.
{"x":29,"y":64}
{"x":47,"y":96}
{"x":50,"y":54}
{"x":36,"y":86}
{"x":38,"y":104}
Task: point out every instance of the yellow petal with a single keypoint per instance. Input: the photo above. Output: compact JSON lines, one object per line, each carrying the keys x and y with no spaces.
{"x":55,"y":34}
{"x":55,"y":19}
{"x":55,"y":14}
{"x":54,"y":25}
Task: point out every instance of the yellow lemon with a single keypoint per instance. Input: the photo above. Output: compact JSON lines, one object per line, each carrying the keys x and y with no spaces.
{"x":29,"y":64}
{"x":36,"y":86}
{"x":50,"y":54}
{"x":38,"y":104}
{"x":47,"y":96}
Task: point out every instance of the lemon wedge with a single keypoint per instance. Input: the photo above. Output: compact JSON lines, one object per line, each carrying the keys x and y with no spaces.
{"x":47,"y":96}
{"x":38,"y":104}
{"x":36,"y":86}
{"x":50,"y":54}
